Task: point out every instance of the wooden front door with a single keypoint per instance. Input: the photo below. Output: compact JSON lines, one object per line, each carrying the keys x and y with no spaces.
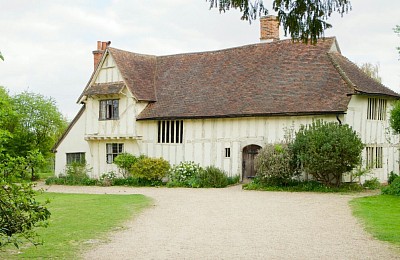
{"x":249,"y":153}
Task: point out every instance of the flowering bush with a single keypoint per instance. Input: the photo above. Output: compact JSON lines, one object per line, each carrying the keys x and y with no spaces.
{"x":184,"y":174}
{"x":106,"y":179}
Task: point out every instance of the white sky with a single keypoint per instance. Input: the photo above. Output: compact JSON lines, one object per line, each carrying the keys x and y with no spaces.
{"x":47,"y":45}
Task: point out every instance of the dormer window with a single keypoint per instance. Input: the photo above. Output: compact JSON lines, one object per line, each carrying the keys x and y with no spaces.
{"x":109,"y":109}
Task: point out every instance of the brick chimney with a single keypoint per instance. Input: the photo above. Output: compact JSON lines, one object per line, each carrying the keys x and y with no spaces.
{"x":269,"y":28}
{"x":97,"y":54}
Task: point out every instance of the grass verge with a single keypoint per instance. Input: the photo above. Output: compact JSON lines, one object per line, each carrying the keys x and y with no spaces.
{"x":380,"y":215}
{"x":77,"y":219}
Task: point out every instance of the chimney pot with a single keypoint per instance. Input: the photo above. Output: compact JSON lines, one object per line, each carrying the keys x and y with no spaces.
{"x":269,"y":28}
{"x":97,"y":54}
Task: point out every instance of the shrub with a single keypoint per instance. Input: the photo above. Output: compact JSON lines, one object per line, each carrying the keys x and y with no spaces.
{"x":301,"y":186}
{"x":150,"y":168}
{"x":327,"y":150}
{"x":183,"y":174}
{"x":274,"y":165}
{"x":392,"y":177}
{"x":395,"y":117}
{"x":106,"y":179}
{"x":233,"y":180}
{"x":372,"y":184}
{"x":135,"y":182}
{"x":75,"y":174}
{"x":393,"y":188}
{"x":212,"y":177}
{"x":125,"y":162}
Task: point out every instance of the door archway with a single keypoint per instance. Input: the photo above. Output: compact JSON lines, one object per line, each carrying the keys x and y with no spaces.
{"x":249,"y":153}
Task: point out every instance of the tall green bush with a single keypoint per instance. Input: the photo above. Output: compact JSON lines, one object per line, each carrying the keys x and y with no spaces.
{"x":125,"y":162}
{"x":274,"y":164}
{"x":150,"y":168}
{"x":395,"y":117}
{"x":393,"y":188}
{"x":327,"y":150}
{"x":212,"y":177}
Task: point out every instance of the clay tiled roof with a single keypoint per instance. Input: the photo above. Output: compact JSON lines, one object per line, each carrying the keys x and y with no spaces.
{"x":138,"y":71}
{"x":361,"y":82}
{"x":278,"y":78}
{"x":104,"y":88}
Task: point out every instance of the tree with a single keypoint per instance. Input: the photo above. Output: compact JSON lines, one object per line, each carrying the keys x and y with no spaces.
{"x":274,"y":164}
{"x":395,"y":117}
{"x":327,"y":150}
{"x":302,"y":19}
{"x":39,"y":124}
{"x":371,"y":70}
{"x":20,"y":213}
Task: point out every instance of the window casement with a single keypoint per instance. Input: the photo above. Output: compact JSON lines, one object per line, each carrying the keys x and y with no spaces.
{"x":170,"y":132}
{"x":75,"y":158}
{"x":113,"y":150}
{"x":108,"y":109}
{"x":374,"y":157}
{"x":376,"y":109}
{"x":227,"y":152}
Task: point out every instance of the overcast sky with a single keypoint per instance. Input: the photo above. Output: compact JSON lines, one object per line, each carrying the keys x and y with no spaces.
{"x":47,"y":45}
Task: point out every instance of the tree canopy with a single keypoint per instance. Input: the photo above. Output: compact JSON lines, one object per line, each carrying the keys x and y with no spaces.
{"x":304,"y":20}
{"x":371,"y":70}
{"x":327,"y":150}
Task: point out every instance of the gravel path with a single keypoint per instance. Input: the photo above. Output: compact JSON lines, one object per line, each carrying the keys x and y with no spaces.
{"x":235,"y":224}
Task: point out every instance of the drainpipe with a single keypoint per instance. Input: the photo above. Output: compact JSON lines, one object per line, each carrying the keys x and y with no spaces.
{"x":338,"y":119}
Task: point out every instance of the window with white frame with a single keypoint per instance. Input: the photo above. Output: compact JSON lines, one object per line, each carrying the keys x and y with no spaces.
{"x":170,"y":131}
{"x":75,"y":158}
{"x":108,"y":109}
{"x":376,"y":109}
{"x":113,"y":150}
{"x":374,"y":157}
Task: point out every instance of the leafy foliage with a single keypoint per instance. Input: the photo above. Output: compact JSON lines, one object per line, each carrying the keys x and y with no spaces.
{"x":125,"y":162}
{"x":301,"y":186}
{"x":395,"y":117}
{"x":40,"y":123}
{"x":29,"y":126}
{"x":20,"y":213}
{"x":372,"y":184}
{"x":393,"y":188}
{"x":392,"y":177}
{"x":150,"y":168}
{"x":274,"y":164}
{"x":184,"y":174}
{"x":76,"y":173}
{"x":302,"y":19}
{"x":212,"y":177}
{"x":327,"y":150}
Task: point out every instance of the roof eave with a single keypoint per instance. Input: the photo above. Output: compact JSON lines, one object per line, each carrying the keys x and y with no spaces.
{"x":312,"y":113}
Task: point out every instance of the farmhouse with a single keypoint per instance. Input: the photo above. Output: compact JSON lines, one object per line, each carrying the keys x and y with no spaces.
{"x":219,"y":107}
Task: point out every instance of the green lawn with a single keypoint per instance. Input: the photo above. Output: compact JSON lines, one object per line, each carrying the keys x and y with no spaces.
{"x":380,"y":215}
{"x":77,"y":218}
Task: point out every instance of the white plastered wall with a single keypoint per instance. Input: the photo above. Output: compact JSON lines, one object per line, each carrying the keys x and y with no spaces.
{"x":73,"y":142}
{"x":205,"y":140}
{"x":374,"y":133}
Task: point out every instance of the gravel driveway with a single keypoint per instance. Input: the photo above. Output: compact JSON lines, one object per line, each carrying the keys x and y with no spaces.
{"x":235,"y":224}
